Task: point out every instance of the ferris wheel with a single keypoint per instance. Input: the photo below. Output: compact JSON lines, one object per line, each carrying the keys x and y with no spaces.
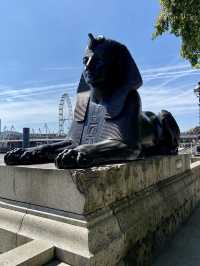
{"x":65,"y":114}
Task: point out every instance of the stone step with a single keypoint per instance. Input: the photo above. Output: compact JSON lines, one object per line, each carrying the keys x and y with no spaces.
{"x":56,"y":263}
{"x":34,"y":253}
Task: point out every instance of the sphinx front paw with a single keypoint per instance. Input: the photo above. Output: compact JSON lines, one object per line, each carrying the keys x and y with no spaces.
{"x":13,"y":157}
{"x":38,"y":155}
{"x":67,"y":159}
{"x":27,"y":156}
{"x":84,"y":160}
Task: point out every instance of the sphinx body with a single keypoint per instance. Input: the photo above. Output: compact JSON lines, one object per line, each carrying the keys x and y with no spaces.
{"x":109,"y":125}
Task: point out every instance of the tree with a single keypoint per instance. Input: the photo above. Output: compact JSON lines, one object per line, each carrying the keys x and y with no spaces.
{"x":182,"y":18}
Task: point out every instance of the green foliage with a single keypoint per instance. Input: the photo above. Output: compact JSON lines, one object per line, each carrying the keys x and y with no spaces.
{"x":182,"y":18}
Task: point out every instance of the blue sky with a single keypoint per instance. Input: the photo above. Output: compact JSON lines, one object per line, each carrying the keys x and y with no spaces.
{"x":41,"y":48}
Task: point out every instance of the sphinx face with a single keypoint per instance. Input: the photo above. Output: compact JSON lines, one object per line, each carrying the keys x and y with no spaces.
{"x":98,"y":66}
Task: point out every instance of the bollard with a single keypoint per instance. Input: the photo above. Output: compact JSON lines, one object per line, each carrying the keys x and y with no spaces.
{"x":26,"y":137}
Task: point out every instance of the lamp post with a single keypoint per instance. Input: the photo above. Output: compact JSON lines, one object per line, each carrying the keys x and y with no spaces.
{"x":197,"y":92}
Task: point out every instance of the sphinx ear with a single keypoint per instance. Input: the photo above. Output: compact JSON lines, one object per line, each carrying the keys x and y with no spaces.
{"x":92,"y":41}
{"x":91,"y":37}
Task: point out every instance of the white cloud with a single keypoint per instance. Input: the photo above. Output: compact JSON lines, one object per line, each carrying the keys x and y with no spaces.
{"x":178,"y":102}
{"x":165,"y":68}
{"x":61,"y":68}
{"x":169,"y":72}
{"x":29,"y":91}
{"x":174,"y":93}
{"x":32,"y":105}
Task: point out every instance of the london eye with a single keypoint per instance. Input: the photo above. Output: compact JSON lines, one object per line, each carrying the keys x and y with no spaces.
{"x":65,"y":114}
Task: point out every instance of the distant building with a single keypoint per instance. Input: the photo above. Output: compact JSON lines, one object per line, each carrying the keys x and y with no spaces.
{"x":187,"y":140}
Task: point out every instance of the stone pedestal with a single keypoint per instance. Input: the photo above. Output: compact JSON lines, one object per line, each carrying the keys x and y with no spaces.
{"x":99,"y":216}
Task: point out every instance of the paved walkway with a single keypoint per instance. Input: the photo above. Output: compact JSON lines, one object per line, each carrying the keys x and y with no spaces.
{"x":184,"y":249}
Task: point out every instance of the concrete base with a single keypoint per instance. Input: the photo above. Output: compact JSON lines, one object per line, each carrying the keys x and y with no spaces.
{"x":100,"y":216}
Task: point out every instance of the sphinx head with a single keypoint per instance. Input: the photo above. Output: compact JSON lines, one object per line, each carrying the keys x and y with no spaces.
{"x":98,"y":62}
{"x":107,"y":64}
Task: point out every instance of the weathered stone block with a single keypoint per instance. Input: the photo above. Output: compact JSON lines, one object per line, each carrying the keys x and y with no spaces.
{"x":100,"y":215}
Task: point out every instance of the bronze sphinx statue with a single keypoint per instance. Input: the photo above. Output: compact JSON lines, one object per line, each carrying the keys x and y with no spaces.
{"x":109,"y":125}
